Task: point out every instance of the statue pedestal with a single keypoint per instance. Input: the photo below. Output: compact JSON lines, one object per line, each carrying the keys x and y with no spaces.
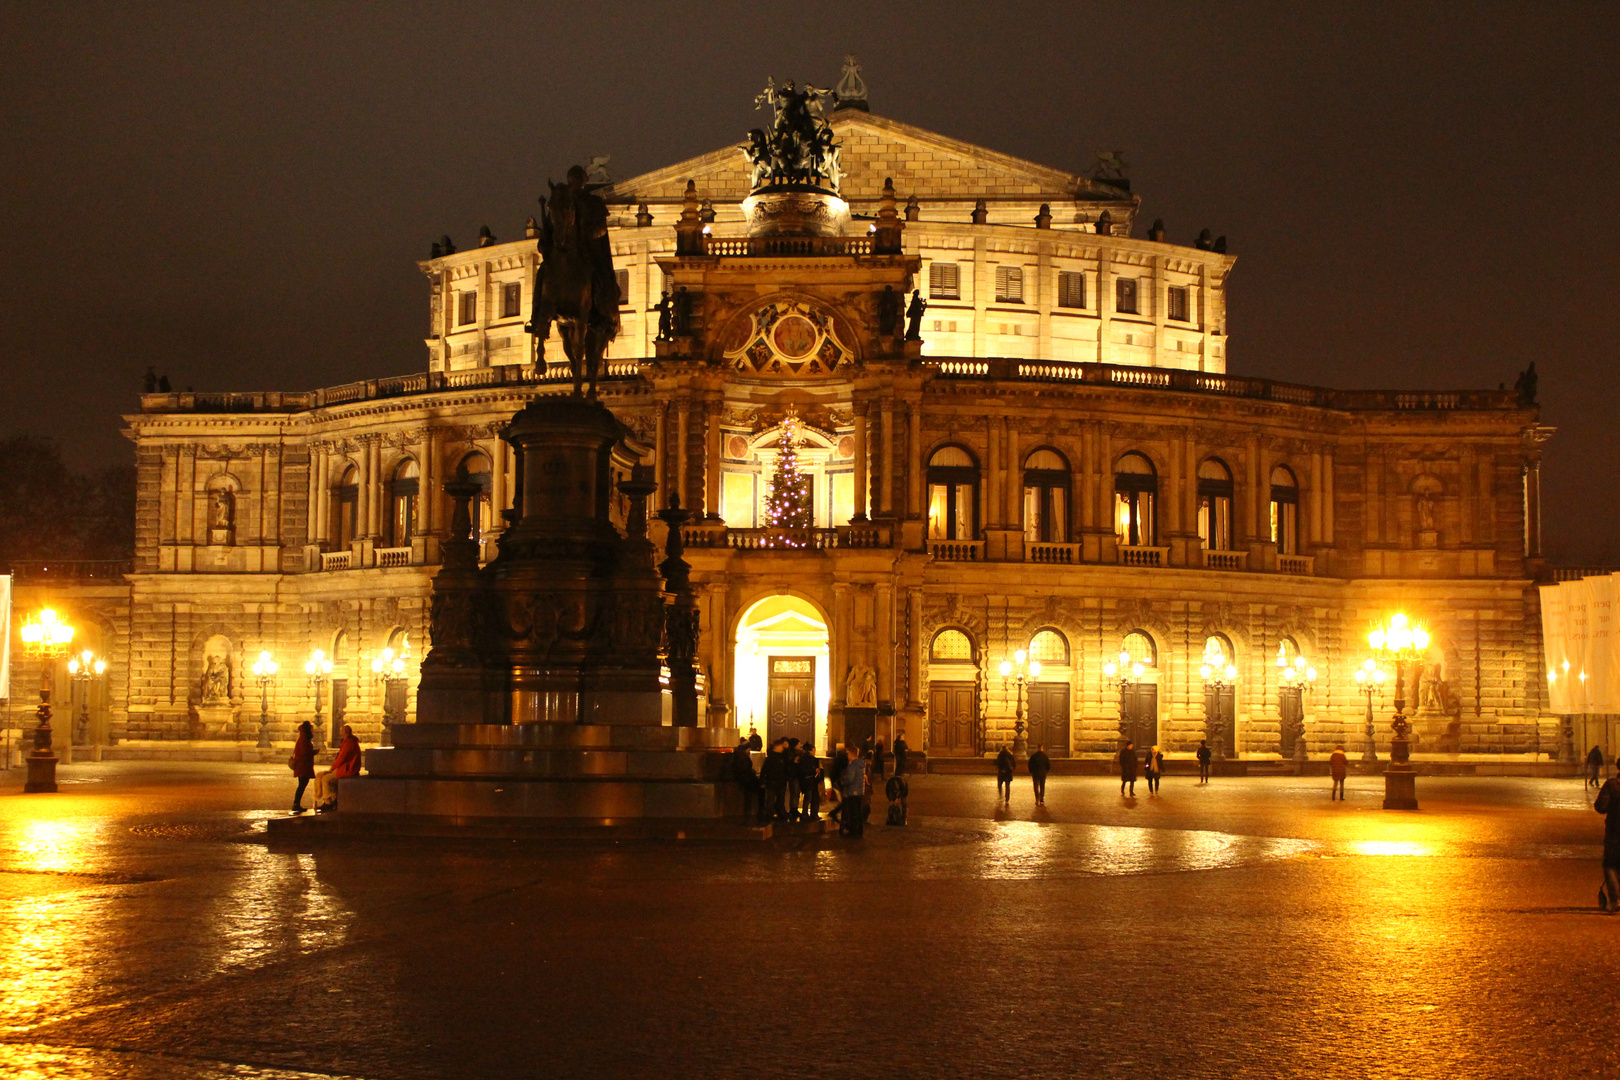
{"x":540,"y":703}
{"x":860,"y":724}
{"x":1400,"y":788}
{"x":216,"y":721}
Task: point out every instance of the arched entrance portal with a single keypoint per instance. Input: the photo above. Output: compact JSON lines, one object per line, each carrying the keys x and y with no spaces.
{"x":782,"y":678}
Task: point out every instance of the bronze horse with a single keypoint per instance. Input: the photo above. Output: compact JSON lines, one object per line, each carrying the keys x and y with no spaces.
{"x":576,"y":287}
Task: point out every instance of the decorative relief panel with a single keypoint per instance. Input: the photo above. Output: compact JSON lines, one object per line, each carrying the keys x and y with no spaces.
{"x":787,"y":339}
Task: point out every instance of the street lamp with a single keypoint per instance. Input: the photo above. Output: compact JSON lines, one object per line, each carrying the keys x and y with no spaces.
{"x":1009,"y":668}
{"x":1128,"y":673}
{"x":1401,"y":642}
{"x":1217,"y":677}
{"x":1302,"y":677}
{"x":319,"y":669}
{"x":264,"y":673}
{"x":1370,"y":682}
{"x":390,"y":669}
{"x":44,"y":637}
{"x":82,"y":669}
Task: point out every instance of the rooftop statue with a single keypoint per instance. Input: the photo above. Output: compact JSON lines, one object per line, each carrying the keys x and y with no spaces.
{"x":799,"y":147}
{"x":577,"y":288}
{"x":851,"y":89}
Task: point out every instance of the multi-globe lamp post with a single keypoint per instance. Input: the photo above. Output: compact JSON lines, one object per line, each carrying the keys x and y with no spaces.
{"x":1400,"y":643}
{"x":390,"y":671}
{"x":1021,"y":672}
{"x":264,"y":673}
{"x":1127,"y":673}
{"x":83,"y":670}
{"x":1217,"y":676}
{"x":319,"y":669}
{"x":45,"y":637}
{"x":1300,"y":676}
{"x":1370,"y":684}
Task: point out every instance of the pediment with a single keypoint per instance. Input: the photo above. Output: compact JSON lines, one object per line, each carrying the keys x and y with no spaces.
{"x":921,"y":162}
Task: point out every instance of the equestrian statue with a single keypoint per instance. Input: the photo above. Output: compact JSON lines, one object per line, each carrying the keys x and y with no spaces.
{"x":576,"y":288}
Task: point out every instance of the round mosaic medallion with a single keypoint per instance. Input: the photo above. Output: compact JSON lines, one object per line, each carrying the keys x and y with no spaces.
{"x":846,"y":447}
{"x":795,"y":336}
{"x":742,"y":331}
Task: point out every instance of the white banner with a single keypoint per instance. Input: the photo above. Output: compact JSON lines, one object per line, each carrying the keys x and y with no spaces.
{"x":1554,"y":648}
{"x":1601,"y":694}
{"x":1580,"y":636}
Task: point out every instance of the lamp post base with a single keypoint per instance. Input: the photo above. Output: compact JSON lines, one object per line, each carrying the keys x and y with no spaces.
{"x":1400,"y":788}
{"x":41,"y":771}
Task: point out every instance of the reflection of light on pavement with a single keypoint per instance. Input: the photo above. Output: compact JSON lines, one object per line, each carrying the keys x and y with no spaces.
{"x":38,"y":978}
{"x":51,"y":847}
{"x":275,"y":908}
{"x":1390,"y":847}
{"x":1016,"y":850}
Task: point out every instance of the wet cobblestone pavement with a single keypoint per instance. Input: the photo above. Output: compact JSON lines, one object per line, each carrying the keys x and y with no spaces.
{"x":1246,"y":929}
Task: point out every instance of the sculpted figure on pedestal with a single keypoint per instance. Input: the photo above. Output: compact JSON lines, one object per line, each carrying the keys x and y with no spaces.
{"x":577,"y":287}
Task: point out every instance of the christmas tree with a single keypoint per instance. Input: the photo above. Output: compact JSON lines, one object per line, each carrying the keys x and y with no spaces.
{"x":788,"y":506}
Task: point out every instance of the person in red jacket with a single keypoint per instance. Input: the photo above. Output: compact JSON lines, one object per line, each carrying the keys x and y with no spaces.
{"x":345,"y":765}
{"x":303,"y":763}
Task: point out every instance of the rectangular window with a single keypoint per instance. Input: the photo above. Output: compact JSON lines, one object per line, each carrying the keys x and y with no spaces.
{"x":511,"y":299}
{"x":1071,"y":289}
{"x":944,"y":281}
{"x":469,"y":308}
{"x":1178,"y":303}
{"x":1009,"y":285}
{"x":623,"y":278}
{"x":1125,"y":295}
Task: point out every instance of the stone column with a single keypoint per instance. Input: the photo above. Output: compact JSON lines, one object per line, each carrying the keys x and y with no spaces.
{"x":1327,"y":497}
{"x":661,"y":441}
{"x":1532,"y":503}
{"x":497,"y":483}
{"x":319,"y":502}
{"x":886,"y":411}
{"x":913,"y":459}
{"x":995,"y":436}
{"x":696,"y":454}
{"x":859,"y":483}
{"x":874,"y":459}
{"x":711,"y":456}
{"x":721,"y":649}
{"x":432,"y":485}
{"x":1105,"y":307}
{"x":682,"y":424}
{"x":1013,"y":493}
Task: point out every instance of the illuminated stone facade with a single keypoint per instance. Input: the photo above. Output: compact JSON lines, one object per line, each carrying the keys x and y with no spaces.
{"x":1060,"y":464}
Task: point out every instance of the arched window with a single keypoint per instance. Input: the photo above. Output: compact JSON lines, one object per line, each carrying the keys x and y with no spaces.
{"x":1139,"y":645}
{"x":1050,"y":647}
{"x":345,"y":509}
{"x":1046,"y":498}
{"x":1284,"y":511}
{"x":1136,"y":489}
{"x":402,"y":504}
{"x":476,"y":465}
{"x":1218,"y":652}
{"x":951,"y":646}
{"x":953,"y":495}
{"x":1215,"y":505}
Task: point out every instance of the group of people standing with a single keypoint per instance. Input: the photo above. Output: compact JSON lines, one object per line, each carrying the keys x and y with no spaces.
{"x":788,"y":784}
{"x":302,"y":764}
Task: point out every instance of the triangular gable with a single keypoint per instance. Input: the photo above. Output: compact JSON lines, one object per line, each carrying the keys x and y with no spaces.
{"x":874,"y":148}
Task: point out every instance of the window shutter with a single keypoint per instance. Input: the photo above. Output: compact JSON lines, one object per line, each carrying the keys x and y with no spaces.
{"x":1071,"y":289}
{"x":944,"y":281}
{"x":1009,"y":285}
{"x":623,"y":278}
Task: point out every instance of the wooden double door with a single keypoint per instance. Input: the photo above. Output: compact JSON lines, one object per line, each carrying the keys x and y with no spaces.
{"x":790,"y":710}
{"x":1048,"y":718}
{"x":953,"y":719}
{"x":1139,"y":714}
{"x":1291,"y":707}
{"x":1219,"y":711}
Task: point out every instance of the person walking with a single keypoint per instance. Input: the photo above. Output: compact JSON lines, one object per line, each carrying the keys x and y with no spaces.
{"x":742,"y":771}
{"x":790,"y":767}
{"x":1203,"y":761}
{"x":900,"y":752}
{"x":1149,"y":772}
{"x":345,"y":765}
{"x":1039,"y":766}
{"x":1127,"y":768}
{"x":1608,"y":803}
{"x":1005,"y":764}
{"x":1594,"y":768}
{"x":840,"y":762}
{"x":774,"y":774}
{"x":809,"y":768}
{"x":302,"y":763}
{"x":1338,"y":765}
{"x":879,"y":768}
{"x":854,"y":791}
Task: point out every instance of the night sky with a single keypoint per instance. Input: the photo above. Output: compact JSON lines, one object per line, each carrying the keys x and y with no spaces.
{"x":1418,"y":196}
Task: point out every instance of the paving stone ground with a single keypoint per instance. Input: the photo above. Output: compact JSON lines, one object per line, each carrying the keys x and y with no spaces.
{"x":1247,"y":929}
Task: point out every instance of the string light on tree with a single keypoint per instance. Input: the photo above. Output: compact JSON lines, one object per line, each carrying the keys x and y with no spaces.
{"x":787,"y":509}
